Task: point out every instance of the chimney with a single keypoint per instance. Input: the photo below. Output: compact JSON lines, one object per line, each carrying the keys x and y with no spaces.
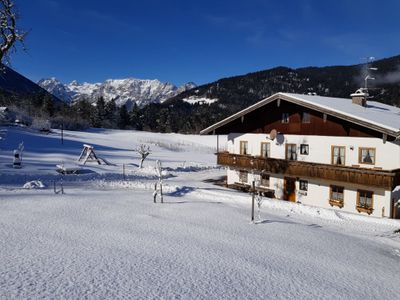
{"x":360,"y":97}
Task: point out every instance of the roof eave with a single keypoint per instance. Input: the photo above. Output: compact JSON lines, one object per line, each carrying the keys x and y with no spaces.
{"x":239,"y":114}
{"x":211,"y":129}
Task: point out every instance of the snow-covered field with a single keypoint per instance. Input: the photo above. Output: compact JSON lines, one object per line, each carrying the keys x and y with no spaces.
{"x":105,"y":238}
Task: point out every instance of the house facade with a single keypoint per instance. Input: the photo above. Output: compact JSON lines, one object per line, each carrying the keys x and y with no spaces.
{"x":328,"y":152}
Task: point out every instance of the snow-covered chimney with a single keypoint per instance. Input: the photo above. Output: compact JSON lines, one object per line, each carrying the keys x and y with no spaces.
{"x":360,"y":97}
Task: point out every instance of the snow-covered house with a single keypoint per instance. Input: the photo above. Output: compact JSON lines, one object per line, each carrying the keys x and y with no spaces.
{"x":321,"y":151}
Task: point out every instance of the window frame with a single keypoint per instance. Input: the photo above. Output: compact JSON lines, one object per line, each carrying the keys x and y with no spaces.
{"x":247,"y":147}
{"x":268,"y":145}
{"x":359,"y":196}
{"x":332,"y":155}
{"x":242,"y":173}
{"x":336,"y":202}
{"x":360,"y":155}
{"x":308,"y":149}
{"x":306,"y":185}
{"x":306,"y":120}
{"x":286,"y":151}
{"x":261,"y":180}
{"x":285,"y":118}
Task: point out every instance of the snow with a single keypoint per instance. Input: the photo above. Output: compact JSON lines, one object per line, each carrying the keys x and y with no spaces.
{"x":377,"y":113}
{"x":35,"y":184}
{"x":199,"y":100}
{"x":124,"y":91}
{"x":105,"y":238}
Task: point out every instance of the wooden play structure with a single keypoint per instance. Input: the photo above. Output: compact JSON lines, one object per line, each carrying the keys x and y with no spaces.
{"x":88,"y":155}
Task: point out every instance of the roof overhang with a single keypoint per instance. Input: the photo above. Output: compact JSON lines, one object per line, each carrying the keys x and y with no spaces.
{"x":214,"y":127}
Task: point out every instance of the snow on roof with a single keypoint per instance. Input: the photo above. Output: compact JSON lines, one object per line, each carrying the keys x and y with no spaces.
{"x":376,"y":113}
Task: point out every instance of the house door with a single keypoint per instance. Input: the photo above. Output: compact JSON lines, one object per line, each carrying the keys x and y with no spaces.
{"x":289,"y":192}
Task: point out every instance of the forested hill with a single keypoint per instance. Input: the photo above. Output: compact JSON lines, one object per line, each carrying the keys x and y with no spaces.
{"x":179,"y":114}
{"x":18,"y":86}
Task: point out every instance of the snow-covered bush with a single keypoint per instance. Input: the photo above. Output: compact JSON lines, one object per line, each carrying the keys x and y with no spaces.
{"x":69,"y":123}
{"x":41,"y":124}
{"x":35,"y":184}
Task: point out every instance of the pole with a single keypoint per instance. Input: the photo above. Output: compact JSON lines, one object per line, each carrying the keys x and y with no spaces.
{"x":162,"y":200}
{"x":155,"y":193}
{"x":123,"y":171}
{"x":252,"y":200}
{"x":217,"y":143}
{"x":62,"y":134}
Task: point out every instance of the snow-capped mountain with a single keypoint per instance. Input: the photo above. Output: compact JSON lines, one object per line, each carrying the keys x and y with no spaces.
{"x":123,"y":91}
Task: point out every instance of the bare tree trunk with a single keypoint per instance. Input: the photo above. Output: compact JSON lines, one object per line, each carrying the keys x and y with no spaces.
{"x":9,"y":33}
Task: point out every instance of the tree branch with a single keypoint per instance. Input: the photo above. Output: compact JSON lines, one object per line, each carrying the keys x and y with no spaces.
{"x":9,"y":34}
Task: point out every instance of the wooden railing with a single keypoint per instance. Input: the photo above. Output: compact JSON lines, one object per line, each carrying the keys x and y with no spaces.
{"x":368,"y":177}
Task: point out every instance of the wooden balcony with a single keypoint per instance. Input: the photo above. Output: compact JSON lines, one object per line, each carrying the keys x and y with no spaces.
{"x":367,"y":177}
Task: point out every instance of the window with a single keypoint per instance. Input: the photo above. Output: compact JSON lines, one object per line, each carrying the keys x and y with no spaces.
{"x":366,"y":156}
{"x":285,"y":118}
{"x":338,"y":155}
{"x":264,"y":180}
{"x":303,"y":185}
{"x":243,"y":176}
{"x":244,"y":150}
{"x":306,"y":118}
{"x":265,"y":149}
{"x":304,"y":149}
{"x":365,"y":199}
{"x":291,"y":152}
{"x":337,"y":193}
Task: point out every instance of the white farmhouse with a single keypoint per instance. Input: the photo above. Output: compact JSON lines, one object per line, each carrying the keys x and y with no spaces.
{"x":320,"y":151}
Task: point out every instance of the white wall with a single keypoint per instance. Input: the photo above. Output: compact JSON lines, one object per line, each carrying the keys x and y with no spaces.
{"x":387,"y":154}
{"x":319,"y":192}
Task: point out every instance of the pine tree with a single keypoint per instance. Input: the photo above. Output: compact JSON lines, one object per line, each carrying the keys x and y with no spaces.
{"x":110,"y":110}
{"x":123,"y":117}
{"x":48,"y":105}
{"x":134,"y":117}
{"x":99,"y":113}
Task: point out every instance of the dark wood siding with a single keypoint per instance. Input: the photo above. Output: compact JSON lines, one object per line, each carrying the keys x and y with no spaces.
{"x":269,"y":117}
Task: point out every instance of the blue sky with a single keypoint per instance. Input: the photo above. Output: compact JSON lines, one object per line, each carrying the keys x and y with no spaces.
{"x":200,"y":41}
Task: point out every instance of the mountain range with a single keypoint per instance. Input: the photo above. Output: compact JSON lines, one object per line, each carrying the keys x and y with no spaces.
{"x":164,"y":107}
{"x":123,"y":91}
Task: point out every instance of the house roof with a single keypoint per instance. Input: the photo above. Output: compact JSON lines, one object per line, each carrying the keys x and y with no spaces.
{"x":378,"y":116}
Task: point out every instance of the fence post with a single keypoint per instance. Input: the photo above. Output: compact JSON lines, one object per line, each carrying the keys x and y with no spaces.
{"x":62,"y":187}
{"x":161,"y":194}
{"x":155,"y":193}
{"x":252,"y":200}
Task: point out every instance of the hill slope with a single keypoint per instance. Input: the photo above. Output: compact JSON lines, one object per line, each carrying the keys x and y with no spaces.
{"x":13,"y":83}
{"x":229,"y":95}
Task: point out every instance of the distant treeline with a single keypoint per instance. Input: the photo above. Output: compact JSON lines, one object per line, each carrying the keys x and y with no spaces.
{"x":233,"y":94}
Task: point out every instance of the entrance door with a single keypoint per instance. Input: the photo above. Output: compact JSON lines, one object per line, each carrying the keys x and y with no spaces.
{"x":289,"y":192}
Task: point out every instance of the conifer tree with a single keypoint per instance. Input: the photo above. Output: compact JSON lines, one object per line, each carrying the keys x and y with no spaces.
{"x":123,"y":117}
{"x":110,"y":110}
{"x":99,"y":113}
{"x":48,"y":105}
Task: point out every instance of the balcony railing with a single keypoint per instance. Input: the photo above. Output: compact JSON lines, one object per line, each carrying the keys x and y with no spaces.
{"x":368,"y":177}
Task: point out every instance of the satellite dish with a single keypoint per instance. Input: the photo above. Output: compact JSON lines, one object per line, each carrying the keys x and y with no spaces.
{"x":273,"y":134}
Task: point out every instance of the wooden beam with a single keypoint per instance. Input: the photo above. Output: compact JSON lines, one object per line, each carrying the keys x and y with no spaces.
{"x":362,"y":176}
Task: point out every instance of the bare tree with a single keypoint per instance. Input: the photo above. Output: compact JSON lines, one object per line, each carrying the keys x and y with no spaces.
{"x":9,"y":32}
{"x":144,"y":151}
